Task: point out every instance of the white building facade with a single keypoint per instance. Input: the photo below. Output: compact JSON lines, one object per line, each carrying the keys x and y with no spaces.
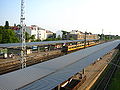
{"x":59,"y":33}
{"x":38,"y":32}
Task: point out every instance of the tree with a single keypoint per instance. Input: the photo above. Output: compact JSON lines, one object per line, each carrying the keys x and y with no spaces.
{"x":6,"y":25}
{"x":14,"y":25}
{"x":64,"y":32}
{"x":32,"y":38}
{"x":64,"y":35}
{"x":8,"y":36}
{"x":59,"y":38}
{"x":54,"y":35}
{"x":0,"y":38}
{"x":49,"y":39}
{"x":27,"y":36}
{"x":1,"y":27}
{"x":71,"y":39}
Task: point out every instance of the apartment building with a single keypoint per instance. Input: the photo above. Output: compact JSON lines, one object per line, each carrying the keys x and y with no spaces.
{"x":77,"y":35}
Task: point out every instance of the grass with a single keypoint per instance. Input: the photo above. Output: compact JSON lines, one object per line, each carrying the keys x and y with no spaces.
{"x":115,"y":80}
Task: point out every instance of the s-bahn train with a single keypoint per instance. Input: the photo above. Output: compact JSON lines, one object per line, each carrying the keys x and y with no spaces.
{"x":77,"y":46}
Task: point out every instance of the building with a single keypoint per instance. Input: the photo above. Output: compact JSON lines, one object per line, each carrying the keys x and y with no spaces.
{"x":59,"y":33}
{"x":38,"y":32}
{"x":49,"y":34}
{"x":76,"y":32}
{"x":41,"y":34}
{"x":77,"y":35}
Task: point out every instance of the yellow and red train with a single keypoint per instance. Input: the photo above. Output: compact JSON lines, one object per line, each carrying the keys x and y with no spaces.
{"x":80,"y":45}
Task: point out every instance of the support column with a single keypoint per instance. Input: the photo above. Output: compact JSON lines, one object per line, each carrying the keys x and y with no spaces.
{"x":59,"y":87}
{"x":83,"y":71}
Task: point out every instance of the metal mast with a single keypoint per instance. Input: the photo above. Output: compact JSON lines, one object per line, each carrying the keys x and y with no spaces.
{"x":85,"y":39}
{"x":23,"y":30}
{"x":102,"y":34}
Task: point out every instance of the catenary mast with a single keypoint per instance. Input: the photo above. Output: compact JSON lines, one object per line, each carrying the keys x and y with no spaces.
{"x":23,"y":30}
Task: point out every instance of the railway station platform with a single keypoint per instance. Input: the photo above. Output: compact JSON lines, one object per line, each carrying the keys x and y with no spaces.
{"x":47,"y":75}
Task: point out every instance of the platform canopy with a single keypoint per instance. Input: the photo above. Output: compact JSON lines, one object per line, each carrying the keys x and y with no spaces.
{"x":47,"y":75}
{"x":14,"y":45}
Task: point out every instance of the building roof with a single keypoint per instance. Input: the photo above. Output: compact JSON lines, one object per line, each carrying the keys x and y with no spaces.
{"x":41,"y":28}
{"x":47,"y":75}
{"x":14,"y":45}
{"x":47,"y":31}
{"x":34,"y":26}
{"x":76,"y":32}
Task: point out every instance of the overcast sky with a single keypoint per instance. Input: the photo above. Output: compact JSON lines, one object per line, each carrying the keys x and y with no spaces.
{"x":93,"y":15}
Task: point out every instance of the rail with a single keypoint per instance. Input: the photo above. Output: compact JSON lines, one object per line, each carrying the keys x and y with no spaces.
{"x":102,"y":83}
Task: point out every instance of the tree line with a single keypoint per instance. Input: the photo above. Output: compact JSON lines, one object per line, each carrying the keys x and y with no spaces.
{"x":8,"y":35}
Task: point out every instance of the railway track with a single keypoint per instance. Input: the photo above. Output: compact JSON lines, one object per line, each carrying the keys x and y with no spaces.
{"x":13,"y":65}
{"x":103,"y":83}
{"x":16,"y":64}
{"x":106,"y":86}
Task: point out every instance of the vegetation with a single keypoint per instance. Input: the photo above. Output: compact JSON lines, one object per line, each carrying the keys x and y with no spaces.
{"x":1,"y":27}
{"x":7,"y":25}
{"x":108,"y":37}
{"x":7,"y":35}
{"x":71,"y":39}
{"x":114,"y":85}
{"x":59,"y":38}
{"x":32,"y":38}
{"x":115,"y":80}
{"x":29,"y":38}
{"x":52,"y":39}
{"x":64,"y":36}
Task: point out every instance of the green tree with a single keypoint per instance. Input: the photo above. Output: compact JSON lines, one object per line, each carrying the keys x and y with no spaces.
{"x":54,"y":35}
{"x":6,"y":25}
{"x":64,"y":32}
{"x":27,"y":36}
{"x":49,"y":39}
{"x":71,"y":39}
{"x":0,"y":38}
{"x":1,"y":27}
{"x":15,"y":25}
{"x":64,"y":35}
{"x":38,"y":40}
{"x":8,"y":36}
{"x":32,"y":38}
{"x":59,"y":38}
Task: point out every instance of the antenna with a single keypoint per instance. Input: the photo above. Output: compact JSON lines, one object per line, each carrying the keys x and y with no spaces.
{"x":23,"y":30}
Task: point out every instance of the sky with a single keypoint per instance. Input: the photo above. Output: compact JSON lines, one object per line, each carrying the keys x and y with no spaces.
{"x":83,"y":15}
